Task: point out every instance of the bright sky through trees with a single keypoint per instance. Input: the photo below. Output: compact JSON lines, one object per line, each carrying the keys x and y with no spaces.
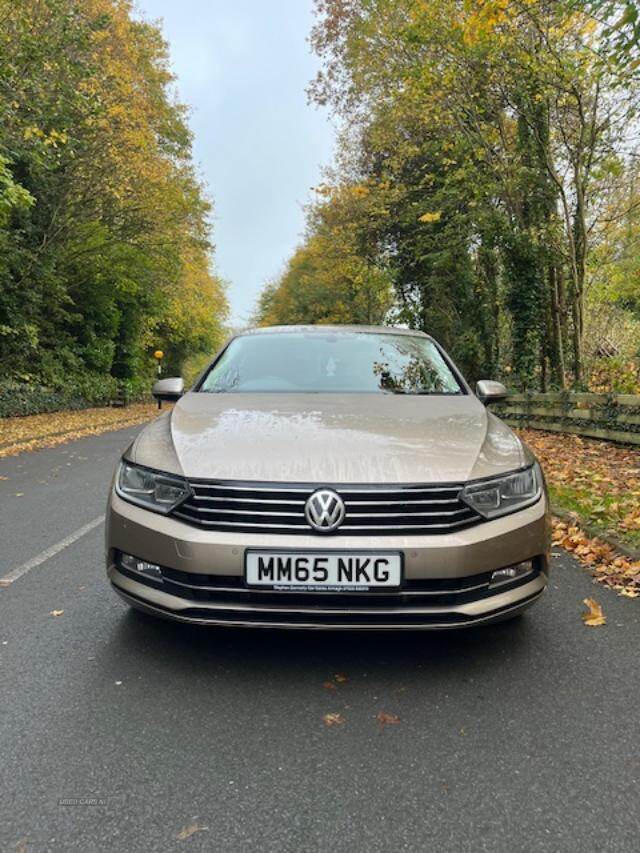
{"x":243,"y":68}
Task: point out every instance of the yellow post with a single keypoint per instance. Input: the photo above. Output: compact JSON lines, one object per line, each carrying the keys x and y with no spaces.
{"x":159,"y":355}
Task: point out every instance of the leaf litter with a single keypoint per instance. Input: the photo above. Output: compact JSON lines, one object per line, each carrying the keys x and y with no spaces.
{"x":34,"y":432}
{"x":599,"y":483}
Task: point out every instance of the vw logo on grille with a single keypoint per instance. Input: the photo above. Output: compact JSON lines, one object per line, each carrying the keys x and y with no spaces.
{"x":325,"y":510}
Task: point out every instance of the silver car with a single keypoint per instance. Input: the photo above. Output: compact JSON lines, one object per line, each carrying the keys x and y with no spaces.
{"x":329,"y":477}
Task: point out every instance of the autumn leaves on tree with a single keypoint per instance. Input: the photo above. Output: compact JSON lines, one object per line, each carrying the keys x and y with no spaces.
{"x":104,"y":235}
{"x":487,"y":158}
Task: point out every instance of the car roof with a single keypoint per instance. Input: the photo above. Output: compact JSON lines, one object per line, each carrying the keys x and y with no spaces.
{"x":383,"y":330}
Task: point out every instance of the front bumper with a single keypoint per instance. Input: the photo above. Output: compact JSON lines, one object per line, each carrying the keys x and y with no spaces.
{"x":446,"y":577}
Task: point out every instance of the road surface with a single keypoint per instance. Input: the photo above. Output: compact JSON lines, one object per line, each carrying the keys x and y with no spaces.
{"x":122,"y":733}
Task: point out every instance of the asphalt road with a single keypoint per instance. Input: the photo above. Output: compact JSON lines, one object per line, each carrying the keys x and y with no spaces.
{"x":518,"y":737}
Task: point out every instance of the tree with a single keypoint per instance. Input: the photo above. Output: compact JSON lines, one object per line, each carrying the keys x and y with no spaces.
{"x":111,"y":230}
{"x":331,"y":278}
{"x":494,"y":130}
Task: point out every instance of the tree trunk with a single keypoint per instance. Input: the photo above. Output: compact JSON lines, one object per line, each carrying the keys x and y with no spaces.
{"x":580,"y":244}
{"x":577,"y":339}
{"x":544,"y":368}
{"x":557,"y":342}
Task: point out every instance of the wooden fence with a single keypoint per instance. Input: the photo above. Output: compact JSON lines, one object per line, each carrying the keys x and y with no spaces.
{"x":614,"y":417}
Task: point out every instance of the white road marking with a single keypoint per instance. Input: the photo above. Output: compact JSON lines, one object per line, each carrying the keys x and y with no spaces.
{"x":18,"y":572}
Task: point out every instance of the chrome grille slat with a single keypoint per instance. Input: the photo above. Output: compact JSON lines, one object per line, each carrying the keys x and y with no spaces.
{"x":344,"y":490}
{"x":400,"y":502}
{"x":407,"y":490}
{"x":250,"y":500}
{"x":223,"y":487}
{"x":395,"y":512}
{"x":348,"y":502}
{"x":418,"y":528}
{"x":305,"y":527}
{"x":242,"y":524}
{"x":218,"y":511}
{"x":413,"y":509}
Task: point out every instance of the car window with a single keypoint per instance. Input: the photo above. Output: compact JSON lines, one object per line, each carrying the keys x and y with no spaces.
{"x":333,"y":362}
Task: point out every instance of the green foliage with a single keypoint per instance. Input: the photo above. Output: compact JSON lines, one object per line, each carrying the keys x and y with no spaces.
{"x":104,"y":234}
{"x":616,"y":375}
{"x":13,"y":197}
{"x":83,"y":392}
{"x":332,"y":278}
{"x":620,"y":20}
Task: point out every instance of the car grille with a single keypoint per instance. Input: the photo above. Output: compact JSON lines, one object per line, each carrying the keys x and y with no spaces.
{"x":370,"y":510}
{"x":414,"y":592}
{"x":419,"y":603}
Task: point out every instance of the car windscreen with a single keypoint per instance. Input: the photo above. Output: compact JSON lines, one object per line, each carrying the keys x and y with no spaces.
{"x":340,"y":362}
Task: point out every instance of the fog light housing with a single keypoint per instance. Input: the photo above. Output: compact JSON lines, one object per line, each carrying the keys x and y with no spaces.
{"x":141,"y":567}
{"x":511,"y":573}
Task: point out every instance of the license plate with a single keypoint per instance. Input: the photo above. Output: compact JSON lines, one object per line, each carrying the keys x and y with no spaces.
{"x":323,"y":571}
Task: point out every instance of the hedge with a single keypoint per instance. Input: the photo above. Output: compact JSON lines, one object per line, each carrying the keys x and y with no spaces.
{"x":17,"y":398}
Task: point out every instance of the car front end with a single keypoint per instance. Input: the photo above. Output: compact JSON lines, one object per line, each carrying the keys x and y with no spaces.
{"x":329,"y":510}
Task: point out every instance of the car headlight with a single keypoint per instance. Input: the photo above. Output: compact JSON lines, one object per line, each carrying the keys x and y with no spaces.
{"x":502,"y":495}
{"x":150,"y":489}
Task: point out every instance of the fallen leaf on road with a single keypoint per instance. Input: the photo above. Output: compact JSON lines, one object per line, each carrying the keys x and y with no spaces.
{"x":340,"y":677}
{"x":56,"y":613}
{"x":191,"y":829}
{"x":3,"y":478}
{"x":628,"y":592}
{"x":594,"y":617}
{"x":385,"y":719}
{"x":333,"y":719}
{"x":329,"y":685}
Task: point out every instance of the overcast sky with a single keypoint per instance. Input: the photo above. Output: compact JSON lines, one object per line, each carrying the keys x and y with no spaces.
{"x":242,"y":66}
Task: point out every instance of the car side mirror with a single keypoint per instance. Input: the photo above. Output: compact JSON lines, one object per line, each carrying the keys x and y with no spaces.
{"x":169,"y":390}
{"x":489,"y":391}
